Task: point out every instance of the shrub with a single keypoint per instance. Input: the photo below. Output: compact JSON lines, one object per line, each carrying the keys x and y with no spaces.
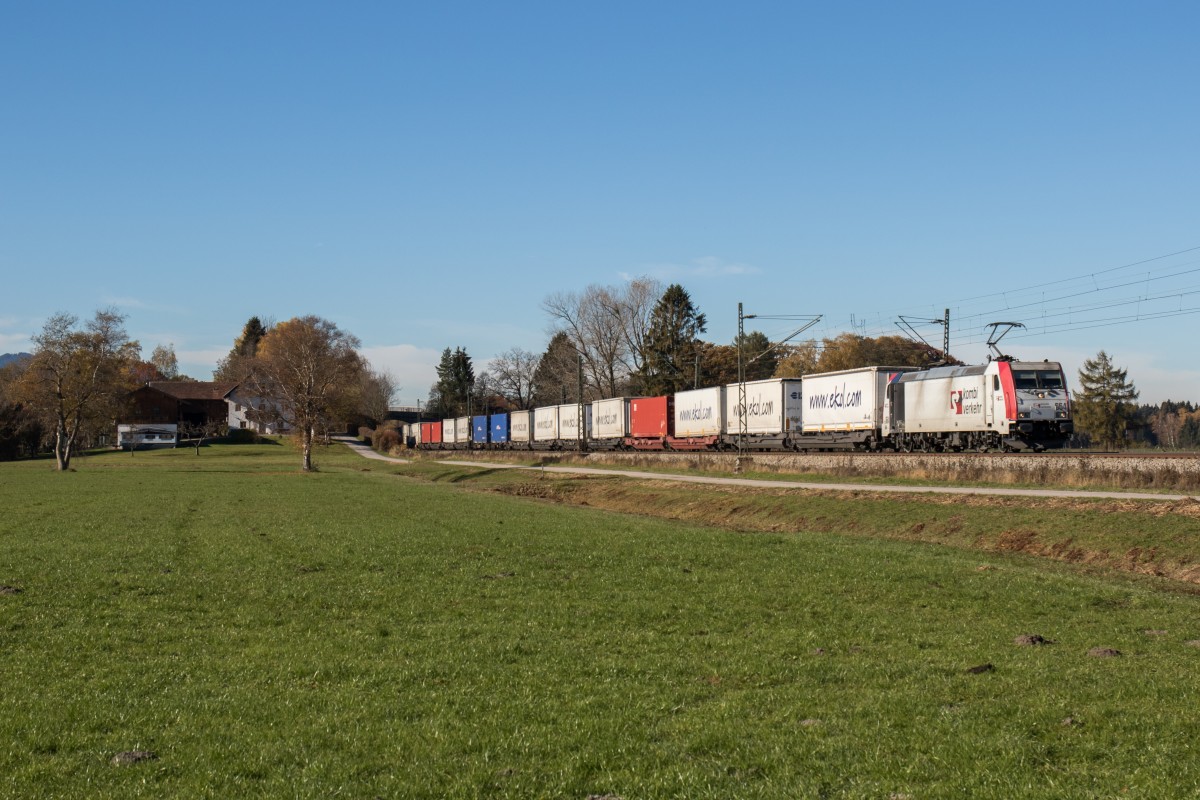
{"x":366,"y":434}
{"x":242,"y":436}
{"x":387,"y":440}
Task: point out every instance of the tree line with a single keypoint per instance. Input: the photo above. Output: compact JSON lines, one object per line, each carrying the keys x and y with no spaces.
{"x":642,"y":339}
{"x":305,"y":373}
{"x":636,"y":339}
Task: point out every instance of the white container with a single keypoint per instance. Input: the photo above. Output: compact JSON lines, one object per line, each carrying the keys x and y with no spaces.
{"x":448,"y":431}
{"x":773,"y":406}
{"x":849,"y":400}
{"x":520,"y":427}
{"x":610,"y":418}
{"x":462,"y":430}
{"x":700,"y":412}
{"x":545,"y":424}
{"x":568,"y":422}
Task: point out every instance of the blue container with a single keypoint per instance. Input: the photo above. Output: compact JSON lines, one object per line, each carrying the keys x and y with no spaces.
{"x":499,"y":428}
{"x":479,"y":430}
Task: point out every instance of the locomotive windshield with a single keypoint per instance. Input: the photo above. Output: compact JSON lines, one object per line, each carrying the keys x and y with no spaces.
{"x":1037,"y":379}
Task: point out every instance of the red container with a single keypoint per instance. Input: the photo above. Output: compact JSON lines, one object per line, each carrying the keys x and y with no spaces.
{"x":431,"y":434}
{"x":651,"y":417}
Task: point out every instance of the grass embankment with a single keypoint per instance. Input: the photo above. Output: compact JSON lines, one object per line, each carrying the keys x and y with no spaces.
{"x":1150,"y":537}
{"x":351,"y":633}
{"x":1054,"y":470}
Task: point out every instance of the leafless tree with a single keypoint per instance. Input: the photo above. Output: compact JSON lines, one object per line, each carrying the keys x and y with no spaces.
{"x":376,"y":392}
{"x":511,"y":373}
{"x":197,"y":433}
{"x":607,"y":325}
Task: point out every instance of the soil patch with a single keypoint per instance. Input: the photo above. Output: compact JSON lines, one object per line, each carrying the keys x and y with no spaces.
{"x":1104,"y":652}
{"x":1031,"y":640}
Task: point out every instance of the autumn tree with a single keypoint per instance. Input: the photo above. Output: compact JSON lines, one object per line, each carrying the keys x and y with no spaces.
{"x":78,"y":377}
{"x":671,"y":343}
{"x":1104,"y":403}
{"x":164,"y":360}
{"x":798,"y":360}
{"x":310,"y":370}
{"x":236,"y":365}
{"x":20,"y":431}
{"x":512,"y":375}
{"x":1166,"y":422}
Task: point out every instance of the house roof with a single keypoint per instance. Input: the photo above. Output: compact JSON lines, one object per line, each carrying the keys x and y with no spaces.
{"x":193,"y":390}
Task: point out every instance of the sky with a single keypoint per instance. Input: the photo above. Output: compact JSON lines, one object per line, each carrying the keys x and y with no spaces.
{"x":426,"y":174}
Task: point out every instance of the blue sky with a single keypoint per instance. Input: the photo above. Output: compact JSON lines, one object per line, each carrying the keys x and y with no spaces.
{"x":425,"y":174}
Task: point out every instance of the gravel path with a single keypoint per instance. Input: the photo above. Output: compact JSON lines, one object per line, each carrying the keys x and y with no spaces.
{"x":367,"y":452}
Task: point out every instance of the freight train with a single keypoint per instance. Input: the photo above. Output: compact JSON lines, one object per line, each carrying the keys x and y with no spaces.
{"x":1003,"y":405}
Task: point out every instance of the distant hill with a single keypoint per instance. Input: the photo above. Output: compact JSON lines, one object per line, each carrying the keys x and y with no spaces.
{"x":8,"y":358}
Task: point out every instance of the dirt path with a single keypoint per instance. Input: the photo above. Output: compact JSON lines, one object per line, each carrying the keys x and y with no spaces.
{"x":367,"y":452}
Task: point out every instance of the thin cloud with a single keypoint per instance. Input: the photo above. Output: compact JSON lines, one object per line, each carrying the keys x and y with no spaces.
{"x":414,"y":368}
{"x":706,"y":267}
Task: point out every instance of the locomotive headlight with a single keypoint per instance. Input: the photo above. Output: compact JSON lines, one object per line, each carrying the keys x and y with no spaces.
{"x":1022,"y":415}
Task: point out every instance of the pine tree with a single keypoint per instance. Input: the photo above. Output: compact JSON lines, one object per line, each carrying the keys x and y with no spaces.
{"x":672,"y":343}
{"x":556,"y":378}
{"x":237,"y":365}
{"x":456,"y":378}
{"x":1104,"y":403}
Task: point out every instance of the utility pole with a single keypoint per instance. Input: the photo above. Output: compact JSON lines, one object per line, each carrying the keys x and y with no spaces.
{"x":946,"y":337}
{"x":580,"y":416}
{"x":743,"y":423}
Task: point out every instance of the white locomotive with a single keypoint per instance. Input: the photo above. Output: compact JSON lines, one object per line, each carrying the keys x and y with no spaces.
{"x":1002,"y":405}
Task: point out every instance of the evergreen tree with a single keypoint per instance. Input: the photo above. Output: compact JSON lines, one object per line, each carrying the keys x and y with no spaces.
{"x":671,"y":343}
{"x":237,"y":365}
{"x":1104,"y":403}
{"x":456,"y":379}
{"x":556,"y":378}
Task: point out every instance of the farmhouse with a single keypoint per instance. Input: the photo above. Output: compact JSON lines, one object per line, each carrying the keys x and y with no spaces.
{"x":199,"y":403}
{"x":179,"y":402}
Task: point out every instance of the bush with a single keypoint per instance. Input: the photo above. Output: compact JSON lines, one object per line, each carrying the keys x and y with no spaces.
{"x":387,"y":440}
{"x":242,"y":436}
{"x":366,"y":434}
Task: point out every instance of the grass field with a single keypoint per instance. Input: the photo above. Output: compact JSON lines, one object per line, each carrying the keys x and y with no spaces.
{"x":357,"y":633}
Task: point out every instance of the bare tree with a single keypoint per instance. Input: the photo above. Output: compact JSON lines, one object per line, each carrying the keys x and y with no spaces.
{"x":376,"y":392}
{"x":197,"y":433}
{"x":310,"y":369}
{"x":607,"y":325}
{"x":635,"y":309}
{"x":511,"y":373}
{"x":78,"y":378}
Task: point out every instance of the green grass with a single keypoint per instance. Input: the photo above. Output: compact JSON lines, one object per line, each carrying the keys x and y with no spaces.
{"x":354,"y":633}
{"x":1046,"y":470}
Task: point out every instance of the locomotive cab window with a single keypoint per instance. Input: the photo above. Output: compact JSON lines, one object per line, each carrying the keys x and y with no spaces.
{"x":996,"y":382}
{"x":1037,"y":379}
{"x":1050,"y":380}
